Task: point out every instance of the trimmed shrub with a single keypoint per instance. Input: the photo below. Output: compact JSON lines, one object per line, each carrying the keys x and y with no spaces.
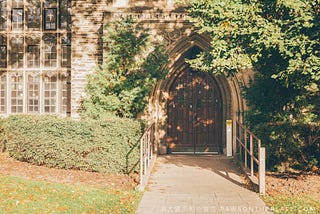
{"x":105,"y":145}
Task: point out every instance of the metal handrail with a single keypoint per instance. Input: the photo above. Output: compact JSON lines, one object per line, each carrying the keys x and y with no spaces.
{"x":242,"y":135}
{"x":147,"y":154}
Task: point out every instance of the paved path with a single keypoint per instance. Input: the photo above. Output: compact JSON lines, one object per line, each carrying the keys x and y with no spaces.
{"x":198,"y":184}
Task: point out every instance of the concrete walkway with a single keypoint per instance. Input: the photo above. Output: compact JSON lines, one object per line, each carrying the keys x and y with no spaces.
{"x":198,"y":184}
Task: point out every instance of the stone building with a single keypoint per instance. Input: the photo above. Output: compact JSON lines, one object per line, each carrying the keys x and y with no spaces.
{"x":47,"y":47}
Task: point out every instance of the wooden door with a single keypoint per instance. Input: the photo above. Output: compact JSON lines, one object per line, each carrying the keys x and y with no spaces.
{"x":194,"y":109}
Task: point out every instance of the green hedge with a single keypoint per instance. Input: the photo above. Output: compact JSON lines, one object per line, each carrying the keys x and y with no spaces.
{"x":106,"y":145}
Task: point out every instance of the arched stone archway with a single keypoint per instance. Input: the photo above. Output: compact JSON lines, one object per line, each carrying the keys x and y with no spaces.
{"x":232,"y":104}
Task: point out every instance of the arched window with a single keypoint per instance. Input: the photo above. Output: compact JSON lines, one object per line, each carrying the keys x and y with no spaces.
{"x":33,"y":51}
{"x":16,"y":82}
{"x":50,"y":50}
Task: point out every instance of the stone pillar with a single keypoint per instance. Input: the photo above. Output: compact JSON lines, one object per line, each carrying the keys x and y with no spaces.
{"x":86,"y":46}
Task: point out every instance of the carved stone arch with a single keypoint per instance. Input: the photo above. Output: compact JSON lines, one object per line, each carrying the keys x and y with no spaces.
{"x":229,"y":87}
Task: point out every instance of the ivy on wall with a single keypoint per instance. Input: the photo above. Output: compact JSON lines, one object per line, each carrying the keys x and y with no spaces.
{"x":134,"y":63}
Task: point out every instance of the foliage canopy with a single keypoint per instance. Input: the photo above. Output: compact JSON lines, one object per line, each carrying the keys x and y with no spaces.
{"x":134,"y":62}
{"x":280,"y":41}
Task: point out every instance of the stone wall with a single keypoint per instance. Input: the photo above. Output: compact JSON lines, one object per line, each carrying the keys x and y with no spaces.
{"x":88,"y":18}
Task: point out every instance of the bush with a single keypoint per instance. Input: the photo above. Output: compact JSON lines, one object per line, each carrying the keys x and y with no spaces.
{"x":105,"y":145}
{"x":296,"y":145}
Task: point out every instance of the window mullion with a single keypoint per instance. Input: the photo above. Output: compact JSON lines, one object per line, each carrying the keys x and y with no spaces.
{"x":9,"y":6}
{"x":41,"y":99}
{"x":8,"y":105}
{"x":24,"y":66}
{"x":25,"y":89}
{"x":58,"y":54}
{"x":58,"y":92}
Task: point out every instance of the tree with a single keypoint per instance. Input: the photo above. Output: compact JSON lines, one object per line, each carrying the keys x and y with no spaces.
{"x":280,"y":42}
{"x":133,"y":64}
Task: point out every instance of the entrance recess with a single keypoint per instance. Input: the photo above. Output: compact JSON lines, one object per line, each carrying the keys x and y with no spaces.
{"x":194,"y":114}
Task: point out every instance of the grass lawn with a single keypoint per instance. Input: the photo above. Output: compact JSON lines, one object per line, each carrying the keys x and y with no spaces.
{"x":291,"y":204}
{"x":23,"y":196}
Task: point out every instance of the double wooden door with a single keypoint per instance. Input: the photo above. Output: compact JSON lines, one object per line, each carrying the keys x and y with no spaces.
{"x":194,"y":114}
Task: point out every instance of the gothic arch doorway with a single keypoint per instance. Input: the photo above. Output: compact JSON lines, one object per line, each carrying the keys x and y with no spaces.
{"x":194,"y":110}
{"x":178,"y":128}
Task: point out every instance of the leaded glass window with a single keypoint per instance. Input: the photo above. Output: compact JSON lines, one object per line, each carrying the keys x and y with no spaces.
{"x":3,"y":91}
{"x":35,"y":56}
{"x":17,"y":18}
{"x":16,"y":52}
{"x":66,"y":51}
{"x":50,"y":19}
{"x":33,"y":52}
{"x":3,"y":52}
{"x":3,"y":14}
{"x":3,"y":56}
{"x":33,"y":14}
{"x":65,"y":18}
{"x":50,"y":50}
{"x":17,"y":92}
{"x":50,"y":92}
{"x":33,"y":93}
